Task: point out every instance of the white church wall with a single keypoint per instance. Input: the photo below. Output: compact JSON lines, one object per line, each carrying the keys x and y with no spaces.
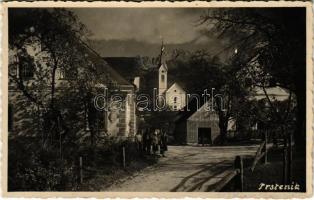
{"x":176,"y":97}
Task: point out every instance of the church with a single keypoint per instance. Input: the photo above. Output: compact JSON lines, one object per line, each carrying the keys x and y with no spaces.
{"x":174,"y":96}
{"x":170,"y":91}
{"x":153,"y":78}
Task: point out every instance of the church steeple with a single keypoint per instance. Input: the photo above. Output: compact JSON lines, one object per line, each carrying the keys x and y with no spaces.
{"x":162,"y":72}
{"x":162,"y":54}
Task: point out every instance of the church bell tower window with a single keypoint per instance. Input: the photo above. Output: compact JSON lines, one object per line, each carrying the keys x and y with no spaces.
{"x":162,"y":77}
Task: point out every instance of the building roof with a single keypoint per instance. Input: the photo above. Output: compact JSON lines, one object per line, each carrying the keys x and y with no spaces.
{"x":191,"y":107}
{"x":164,"y":65}
{"x":126,"y":66}
{"x":129,"y":68}
{"x":173,"y":85}
{"x":104,"y":69}
{"x":274,"y":93}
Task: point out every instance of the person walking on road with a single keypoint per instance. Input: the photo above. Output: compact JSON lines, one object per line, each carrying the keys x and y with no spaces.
{"x":155,"y":141}
{"x":163,"y":142}
{"x":139,"y":141}
{"x":148,"y":141}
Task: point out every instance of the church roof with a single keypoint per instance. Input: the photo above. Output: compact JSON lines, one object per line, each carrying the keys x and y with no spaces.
{"x":177,"y":84}
{"x":164,"y":65}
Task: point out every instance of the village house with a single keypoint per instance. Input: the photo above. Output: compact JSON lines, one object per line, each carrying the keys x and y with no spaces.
{"x":197,"y":125}
{"x":24,"y":117}
{"x":275,"y":94}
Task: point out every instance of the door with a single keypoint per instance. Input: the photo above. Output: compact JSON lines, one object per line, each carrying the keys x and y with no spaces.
{"x":204,"y":136}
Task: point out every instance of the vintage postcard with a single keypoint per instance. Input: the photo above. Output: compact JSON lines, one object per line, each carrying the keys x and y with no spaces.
{"x":157,"y":99}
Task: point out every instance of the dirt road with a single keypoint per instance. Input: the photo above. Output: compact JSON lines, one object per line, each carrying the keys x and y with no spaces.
{"x":186,"y":168}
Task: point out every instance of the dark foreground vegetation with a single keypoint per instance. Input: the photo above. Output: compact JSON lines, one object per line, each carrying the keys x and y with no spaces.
{"x":36,"y":169}
{"x":272,"y":172}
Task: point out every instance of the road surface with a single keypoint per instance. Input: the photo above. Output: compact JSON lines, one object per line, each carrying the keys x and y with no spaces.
{"x":185,"y":169}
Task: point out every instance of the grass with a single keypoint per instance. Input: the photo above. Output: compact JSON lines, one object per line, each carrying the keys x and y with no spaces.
{"x":272,"y":172}
{"x":98,"y":178}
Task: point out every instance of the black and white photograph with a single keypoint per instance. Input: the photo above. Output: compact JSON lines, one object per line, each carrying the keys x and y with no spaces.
{"x":158,"y":99}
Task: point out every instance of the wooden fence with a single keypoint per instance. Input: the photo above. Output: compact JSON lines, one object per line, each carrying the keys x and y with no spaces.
{"x":235,"y":175}
{"x":82,"y":169}
{"x":261,"y":153}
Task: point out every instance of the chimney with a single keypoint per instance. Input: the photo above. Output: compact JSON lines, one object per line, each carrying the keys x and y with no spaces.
{"x":136,"y":82}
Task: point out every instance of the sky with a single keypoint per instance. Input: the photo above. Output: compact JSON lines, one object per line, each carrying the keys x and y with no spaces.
{"x":139,"y":31}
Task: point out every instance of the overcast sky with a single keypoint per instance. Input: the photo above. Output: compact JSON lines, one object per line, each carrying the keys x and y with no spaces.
{"x":143,"y":28}
{"x":144,"y":24}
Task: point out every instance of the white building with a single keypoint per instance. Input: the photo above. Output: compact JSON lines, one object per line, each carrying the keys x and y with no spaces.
{"x":175,"y":95}
{"x":114,"y":122}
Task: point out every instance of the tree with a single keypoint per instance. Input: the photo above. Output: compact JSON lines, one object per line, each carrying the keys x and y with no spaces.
{"x":54,"y":69}
{"x":211,"y":73}
{"x":266,"y":40}
{"x":60,"y":52}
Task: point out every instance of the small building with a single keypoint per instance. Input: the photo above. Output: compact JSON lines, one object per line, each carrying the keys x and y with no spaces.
{"x":197,"y":126}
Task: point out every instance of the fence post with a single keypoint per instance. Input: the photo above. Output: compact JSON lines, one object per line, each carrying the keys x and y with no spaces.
{"x":265,"y":147}
{"x":238,"y":165}
{"x":289,"y":168}
{"x":158,"y":148}
{"x":81,"y":169}
{"x":284,"y":170}
{"x":123,"y":156}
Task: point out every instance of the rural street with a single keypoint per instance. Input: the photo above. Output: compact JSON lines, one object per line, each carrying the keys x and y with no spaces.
{"x":185,"y":168}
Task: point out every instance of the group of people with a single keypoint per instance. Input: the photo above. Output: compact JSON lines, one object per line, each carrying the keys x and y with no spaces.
{"x":152,"y":141}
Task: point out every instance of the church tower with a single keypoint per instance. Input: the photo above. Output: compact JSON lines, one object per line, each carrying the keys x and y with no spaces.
{"x":162,"y":79}
{"x":162,"y":72}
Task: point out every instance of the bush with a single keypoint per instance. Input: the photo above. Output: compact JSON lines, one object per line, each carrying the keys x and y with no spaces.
{"x":32,"y":168}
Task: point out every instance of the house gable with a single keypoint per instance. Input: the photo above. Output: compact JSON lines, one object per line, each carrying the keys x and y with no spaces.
{"x":176,"y":97}
{"x":204,"y":114}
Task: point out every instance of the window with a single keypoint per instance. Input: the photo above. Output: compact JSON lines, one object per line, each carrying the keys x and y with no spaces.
{"x":12,"y":70}
{"x":67,"y":74}
{"x":114,"y":84}
{"x":100,"y":120}
{"x":13,"y":65}
{"x":26,"y":65}
{"x":175,"y":100}
{"x":174,"y":107}
{"x":45,"y":59}
{"x":175,"y":90}
{"x":86,"y":119}
{"x":27,"y":70}
{"x":61,"y":74}
{"x":248,"y":82}
{"x":10,"y":117}
{"x":162,"y":77}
